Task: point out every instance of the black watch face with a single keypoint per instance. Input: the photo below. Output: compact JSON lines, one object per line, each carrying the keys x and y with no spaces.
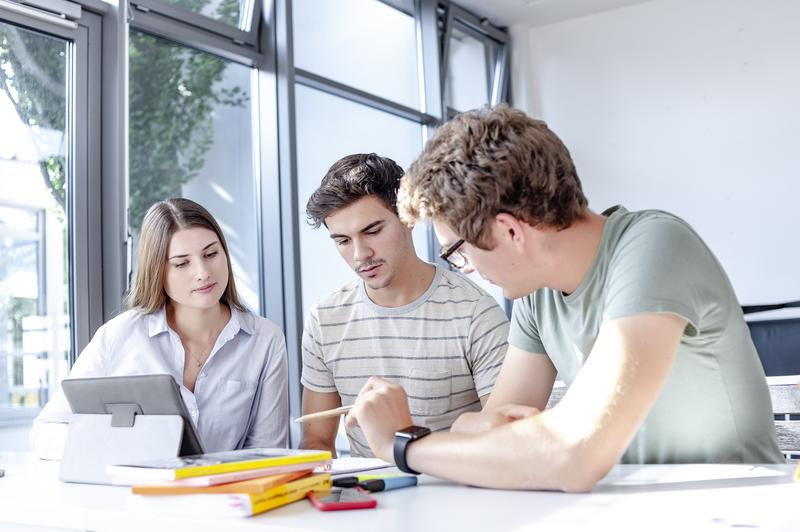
{"x":414,"y":431}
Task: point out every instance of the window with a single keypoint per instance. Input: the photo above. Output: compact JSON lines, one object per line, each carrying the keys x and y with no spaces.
{"x":475,"y":75}
{"x":364,"y":44}
{"x":34,"y":284}
{"x":467,"y":86}
{"x":236,"y":13}
{"x":322,"y":138}
{"x":191,"y":135}
{"x":48,"y":294}
{"x":239,"y":112}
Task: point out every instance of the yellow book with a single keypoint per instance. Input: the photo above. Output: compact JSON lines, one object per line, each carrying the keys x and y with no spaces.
{"x":215,"y":463}
{"x":797,"y":473}
{"x":231,"y":504}
{"x":254,"y":485}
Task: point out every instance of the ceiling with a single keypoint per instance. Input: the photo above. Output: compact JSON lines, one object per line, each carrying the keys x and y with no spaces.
{"x":539,"y":12}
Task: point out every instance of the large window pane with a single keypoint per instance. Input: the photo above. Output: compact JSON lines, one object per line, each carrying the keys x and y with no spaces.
{"x":324,"y":136}
{"x":362,"y":43}
{"x":191,"y":135}
{"x":237,"y":13}
{"x":467,"y":87}
{"x":467,"y":82}
{"x":34,"y":178}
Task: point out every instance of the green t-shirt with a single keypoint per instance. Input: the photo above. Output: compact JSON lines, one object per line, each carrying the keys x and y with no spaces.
{"x":715,"y":405}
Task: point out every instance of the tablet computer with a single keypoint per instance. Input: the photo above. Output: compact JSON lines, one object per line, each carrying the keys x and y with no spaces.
{"x":152,"y":394}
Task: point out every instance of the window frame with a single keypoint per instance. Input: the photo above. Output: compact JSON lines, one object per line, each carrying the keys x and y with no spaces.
{"x":81,"y":30}
{"x":186,"y":17}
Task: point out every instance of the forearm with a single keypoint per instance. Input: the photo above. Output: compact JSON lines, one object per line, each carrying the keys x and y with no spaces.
{"x":526,"y":454}
{"x":322,"y":444}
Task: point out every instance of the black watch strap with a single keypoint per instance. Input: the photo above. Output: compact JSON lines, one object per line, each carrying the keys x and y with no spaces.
{"x":402,"y":438}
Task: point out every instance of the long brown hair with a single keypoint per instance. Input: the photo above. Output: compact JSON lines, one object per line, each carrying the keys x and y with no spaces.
{"x":162,"y":220}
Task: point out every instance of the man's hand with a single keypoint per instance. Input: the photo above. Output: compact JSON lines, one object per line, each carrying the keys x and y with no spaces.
{"x":474,"y":422}
{"x":381,"y":409}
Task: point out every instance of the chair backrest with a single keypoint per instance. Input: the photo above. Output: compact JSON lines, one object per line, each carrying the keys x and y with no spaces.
{"x":786,"y":408}
{"x":777,"y":340}
{"x":778,"y":345}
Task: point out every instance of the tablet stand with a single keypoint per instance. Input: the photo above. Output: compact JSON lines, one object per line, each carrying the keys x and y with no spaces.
{"x":123,"y":436}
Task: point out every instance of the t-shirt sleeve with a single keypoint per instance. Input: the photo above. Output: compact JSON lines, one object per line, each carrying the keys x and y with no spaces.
{"x":488,"y":334}
{"x":316,"y":375}
{"x":524,"y":332}
{"x":662,"y":265}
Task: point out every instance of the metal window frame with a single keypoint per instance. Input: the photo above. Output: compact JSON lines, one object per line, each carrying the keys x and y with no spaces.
{"x":193,"y":37}
{"x":327,"y":85}
{"x":84,"y":262}
{"x":287,"y":189}
{"x":190,"y":18}
{"x":496,"y":44}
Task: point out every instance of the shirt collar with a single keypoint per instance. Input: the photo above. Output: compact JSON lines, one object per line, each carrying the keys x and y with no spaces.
{"x":157,"y":323}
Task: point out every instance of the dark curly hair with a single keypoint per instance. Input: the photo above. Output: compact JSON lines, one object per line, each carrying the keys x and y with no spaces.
{"x":351,"y":178}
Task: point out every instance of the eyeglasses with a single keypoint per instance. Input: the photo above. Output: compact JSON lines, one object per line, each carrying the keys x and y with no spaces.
{"x":454,"y":257}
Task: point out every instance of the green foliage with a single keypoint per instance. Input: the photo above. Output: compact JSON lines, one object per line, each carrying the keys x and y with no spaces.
{"x":173,"y":91}
{"x":172,"y":96}
{"x":32,"y":74}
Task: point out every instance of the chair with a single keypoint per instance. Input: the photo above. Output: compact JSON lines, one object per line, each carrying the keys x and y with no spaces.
{"x":786,"y":408}
{"x":777,"y":340}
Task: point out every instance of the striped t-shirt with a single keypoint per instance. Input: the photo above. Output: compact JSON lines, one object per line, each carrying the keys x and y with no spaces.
{"x":445,"y":349}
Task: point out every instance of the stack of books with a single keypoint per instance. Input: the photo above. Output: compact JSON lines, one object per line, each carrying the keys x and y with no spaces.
{"x":241,"y":483}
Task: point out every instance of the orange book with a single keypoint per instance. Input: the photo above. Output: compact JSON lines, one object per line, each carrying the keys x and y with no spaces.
{"x":253,"y":485}
{"x":230,"y":504}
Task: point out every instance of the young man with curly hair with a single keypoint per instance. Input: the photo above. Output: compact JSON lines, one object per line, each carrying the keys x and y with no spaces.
{"x":631,"y":309}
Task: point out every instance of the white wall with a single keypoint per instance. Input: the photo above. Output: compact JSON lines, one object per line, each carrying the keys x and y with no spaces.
{"x":691,"y":106}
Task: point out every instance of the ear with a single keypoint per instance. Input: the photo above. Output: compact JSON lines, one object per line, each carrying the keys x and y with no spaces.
{"x":510,"y":228}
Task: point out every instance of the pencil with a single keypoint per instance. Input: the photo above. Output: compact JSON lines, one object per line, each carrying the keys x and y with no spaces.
{"x":325,"y":413}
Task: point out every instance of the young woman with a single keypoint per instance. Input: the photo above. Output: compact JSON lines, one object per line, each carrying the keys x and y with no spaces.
{"x":185,"y":318}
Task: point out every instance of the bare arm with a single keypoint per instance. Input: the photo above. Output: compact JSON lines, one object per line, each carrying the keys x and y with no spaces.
{"x":525,"y":379}
{"x":320,"y":433}
{"x":570,"y":447}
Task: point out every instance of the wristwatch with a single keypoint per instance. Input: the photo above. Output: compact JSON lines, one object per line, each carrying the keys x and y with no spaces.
{"x":401,"y":440}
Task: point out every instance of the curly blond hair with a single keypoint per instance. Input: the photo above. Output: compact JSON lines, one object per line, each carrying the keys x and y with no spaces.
{"x":489,"y":161}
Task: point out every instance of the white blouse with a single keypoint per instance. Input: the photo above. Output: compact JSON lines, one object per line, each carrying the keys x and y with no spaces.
{"x":244,"y":381}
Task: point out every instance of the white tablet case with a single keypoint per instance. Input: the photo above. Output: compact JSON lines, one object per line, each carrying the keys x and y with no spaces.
{"x":93,"y":443}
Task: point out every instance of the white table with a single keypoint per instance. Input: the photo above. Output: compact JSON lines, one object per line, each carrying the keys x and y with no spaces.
{"x":676,"y":498}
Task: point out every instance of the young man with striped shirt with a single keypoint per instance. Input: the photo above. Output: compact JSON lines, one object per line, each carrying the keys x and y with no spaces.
{"x":426,"y":328}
